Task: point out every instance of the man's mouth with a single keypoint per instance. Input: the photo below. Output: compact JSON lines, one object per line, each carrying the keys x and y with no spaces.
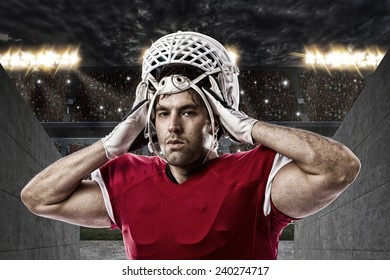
{"x":174,"y":143}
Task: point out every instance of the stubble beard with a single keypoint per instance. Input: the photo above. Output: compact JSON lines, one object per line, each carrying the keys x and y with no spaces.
{"x":185,"y":157}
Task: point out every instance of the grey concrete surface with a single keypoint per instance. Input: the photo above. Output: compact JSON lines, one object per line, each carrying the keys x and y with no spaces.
{"x":356,"y":225}
{"x":114,"y":250}
{"x":25,"y":150}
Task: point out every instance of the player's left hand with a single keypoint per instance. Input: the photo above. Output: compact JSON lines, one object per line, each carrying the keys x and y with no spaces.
{"x":237,"y":123}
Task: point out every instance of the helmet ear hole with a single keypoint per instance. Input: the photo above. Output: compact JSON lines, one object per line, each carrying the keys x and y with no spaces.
{"x":221,"y":82}
{"x":229,"y":96}
{"x":216,"y":124}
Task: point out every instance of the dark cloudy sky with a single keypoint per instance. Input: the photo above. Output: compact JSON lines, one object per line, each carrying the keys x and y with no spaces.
{"x":113,"y":32}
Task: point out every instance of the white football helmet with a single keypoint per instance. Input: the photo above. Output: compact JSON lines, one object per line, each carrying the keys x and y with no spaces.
{"x":197,"y":50}
{"x":194,"y":49}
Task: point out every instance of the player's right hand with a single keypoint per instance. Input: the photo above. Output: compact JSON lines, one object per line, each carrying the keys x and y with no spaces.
{"x":123,"y":135}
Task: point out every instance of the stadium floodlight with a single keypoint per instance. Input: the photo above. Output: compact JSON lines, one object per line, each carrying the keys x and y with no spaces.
{"x":233,"y":53}
{"x":343,"y":58}
{"x":42,"y":59}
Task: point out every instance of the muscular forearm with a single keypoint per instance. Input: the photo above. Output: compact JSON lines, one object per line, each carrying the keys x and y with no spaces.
{"x":59,"y":180}
{"x":313,"y":153}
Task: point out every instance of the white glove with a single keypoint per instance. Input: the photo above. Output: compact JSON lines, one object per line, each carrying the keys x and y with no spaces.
{"x":120,"y":139}
{"x":237,"y":124}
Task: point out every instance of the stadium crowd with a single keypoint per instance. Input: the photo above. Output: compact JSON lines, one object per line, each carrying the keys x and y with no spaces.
{"x":82,"y":96}
{"x":104,"y":96}
{"x":98,"y":95}
{"x":268,"y":95}
{"x":330,"y":97}
{"x":93,"y":95}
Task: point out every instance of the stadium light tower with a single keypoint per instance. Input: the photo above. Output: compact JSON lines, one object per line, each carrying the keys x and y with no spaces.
{"x":233,"y":53}
{"x":42,"y":59}
{"x":339,"y":57}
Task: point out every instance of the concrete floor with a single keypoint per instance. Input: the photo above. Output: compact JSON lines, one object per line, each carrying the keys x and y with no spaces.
{"x":114,"y":250}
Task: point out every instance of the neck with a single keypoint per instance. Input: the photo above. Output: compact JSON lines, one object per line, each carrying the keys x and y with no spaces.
{"x":182,"y":173}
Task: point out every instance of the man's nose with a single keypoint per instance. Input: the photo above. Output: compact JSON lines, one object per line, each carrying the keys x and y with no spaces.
{"x":174,"y":124}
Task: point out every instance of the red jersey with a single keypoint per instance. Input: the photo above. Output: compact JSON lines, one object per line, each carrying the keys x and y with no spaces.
{"x":215,"y":214}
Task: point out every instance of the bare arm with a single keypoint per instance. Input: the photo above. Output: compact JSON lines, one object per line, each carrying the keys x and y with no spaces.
{"x":320,"y":171}
{"x":59,"y":191}
{"x":321,"y":168}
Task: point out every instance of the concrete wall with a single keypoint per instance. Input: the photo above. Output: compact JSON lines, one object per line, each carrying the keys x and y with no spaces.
{"x":25,"y":150}
{"x":357,"y":224}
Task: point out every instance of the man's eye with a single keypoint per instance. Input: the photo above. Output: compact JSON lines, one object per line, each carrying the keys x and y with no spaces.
{"x":162,"y":114}
{"x":189,"y":113}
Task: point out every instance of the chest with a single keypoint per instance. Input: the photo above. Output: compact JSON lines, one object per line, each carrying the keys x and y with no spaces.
{"x":201,"y":218}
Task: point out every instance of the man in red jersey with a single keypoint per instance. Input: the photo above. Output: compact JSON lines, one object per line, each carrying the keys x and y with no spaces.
{"x":187,"y":202}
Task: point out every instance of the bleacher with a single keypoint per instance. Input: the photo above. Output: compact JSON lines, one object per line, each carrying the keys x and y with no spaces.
{"x":92,"y":95}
